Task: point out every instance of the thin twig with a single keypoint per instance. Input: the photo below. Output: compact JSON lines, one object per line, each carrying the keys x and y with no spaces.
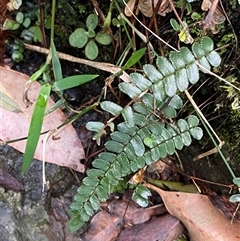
{"x":98,"y":65}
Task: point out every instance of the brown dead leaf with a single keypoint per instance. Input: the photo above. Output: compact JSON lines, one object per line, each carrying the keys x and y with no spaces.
{"x":132,"y":213}
{"x":64,"y":150}
{"x":103,"y":227}
{"x":203,"y":221}
{"x":162,"y":228}
{"x":145,"y":6}
{"x":106,"y":225}
{"x":215,"y":15}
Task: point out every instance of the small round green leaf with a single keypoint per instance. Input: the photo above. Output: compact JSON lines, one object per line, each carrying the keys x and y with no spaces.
{"x":204,"y":62}
{"x":16,"y":3}
{"x":197,"y":50}
{"x":186,"y":138}
{"x":153,"y":74}
{"x":91,"y":182}
{"x":114,"y":146}
{"x":19,"y":17}
{"x":130,"y":89}
{"x":88,"y":209}
{"x":143,"y":191}
{"x":111,"y":107}
{"x":92,"y":21}
{"x":183,"y":125}
{"x":138,"y":146}
{"x":17,"y":56}
{"x":120,"y":137}
{"x":91,"y":33}
{"x":237,"y":181}
{"x":178,"y":142}
{"x":26,"y":23}
{"x":176,"y":102}
{"x":102,"y":194}
{"x":91,"y":50}
{"x":37,"y":33}
{"x":128,"y":116}
{"x":94,"y":202}
{"x":192,"y":121}
{"x":207,"y":44}
{"x":170,"y":147}
{"x":196,"y":133}
{"x":170,"y":85}
{"x":103,"y":38}
{"x":164,"y":66}
{"x":155,"y":153}
{"x":214,"y":59}
{"x":181,"y":80}
{"x":140,"y":81}
{"x":95,"y":126}
{"x":170,"y":112}
{"x":10,"y":25}
{"x":78,"y":38}
{"x":235,"y":198}
{"x":149,"y":142}
{"x":75,"y":223}
{"x":143,"y":202}
{"x":175,"y":25}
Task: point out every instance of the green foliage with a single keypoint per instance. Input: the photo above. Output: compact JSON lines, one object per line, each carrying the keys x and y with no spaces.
{"x":146,"y":134}
{"x":41,"y":102}
{"x":88,"y":38}
{"x":17,"y":54}
{"x":35,"y":126}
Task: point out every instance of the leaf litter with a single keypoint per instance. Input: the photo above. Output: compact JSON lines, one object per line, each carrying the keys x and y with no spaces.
{"x":63,"y":150}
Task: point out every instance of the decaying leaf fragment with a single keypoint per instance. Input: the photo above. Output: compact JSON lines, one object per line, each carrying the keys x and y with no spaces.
{"x":106,"y":225}
{"x":202,"y":220}
{"x":162,"y":228}
{"x":215,"y":15}
{"x":63,"y":149}
{"x":145,"y":6}
{"x":7,"y":103}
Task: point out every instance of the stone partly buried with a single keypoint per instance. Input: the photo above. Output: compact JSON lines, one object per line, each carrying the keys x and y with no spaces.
{"x":27,"y":213}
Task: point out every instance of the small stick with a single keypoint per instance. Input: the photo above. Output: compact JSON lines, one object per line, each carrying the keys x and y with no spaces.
{"x":208,"y":19}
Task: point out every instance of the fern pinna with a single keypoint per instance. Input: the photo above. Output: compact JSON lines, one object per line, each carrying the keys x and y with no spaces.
{"x":143,"y":138}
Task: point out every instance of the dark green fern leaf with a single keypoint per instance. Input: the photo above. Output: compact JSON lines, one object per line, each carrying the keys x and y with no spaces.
{"x":145,"y":135}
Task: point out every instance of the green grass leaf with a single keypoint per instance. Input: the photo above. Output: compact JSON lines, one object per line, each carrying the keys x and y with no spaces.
{"x":57,"y":70}
{"x":136,"y":56}
{"x":35,"y":126}
{"x":73,"y":81}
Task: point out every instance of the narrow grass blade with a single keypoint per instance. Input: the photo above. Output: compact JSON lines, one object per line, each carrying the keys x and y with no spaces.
{"x":136,"y":56}
{"x":72,"y":81}
{"x":35,"y":126}
{"x":57,"y":70}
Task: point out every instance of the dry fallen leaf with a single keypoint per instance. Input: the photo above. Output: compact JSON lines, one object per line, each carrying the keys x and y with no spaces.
{"x":215,"y":15}
{"x":162,"y":228}
{"x":106,"y":225}
{"x":103,"y":227}
{"x":132,"y":213}
{"x":145,"y":6}
{"x":203,"y":221}
{"x":65,"y":150}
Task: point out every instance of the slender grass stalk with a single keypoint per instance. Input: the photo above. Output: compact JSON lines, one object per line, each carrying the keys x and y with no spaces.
{"x":53,"y":19}
{"x":208,"y":128}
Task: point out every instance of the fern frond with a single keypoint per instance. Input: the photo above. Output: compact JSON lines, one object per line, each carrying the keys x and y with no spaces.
{"x":128,"y":151}
{"x":142,"y":138}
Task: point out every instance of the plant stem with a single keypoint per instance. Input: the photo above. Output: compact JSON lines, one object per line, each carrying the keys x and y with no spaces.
{"x":53,"y":18}
{"x":207,"y":127}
